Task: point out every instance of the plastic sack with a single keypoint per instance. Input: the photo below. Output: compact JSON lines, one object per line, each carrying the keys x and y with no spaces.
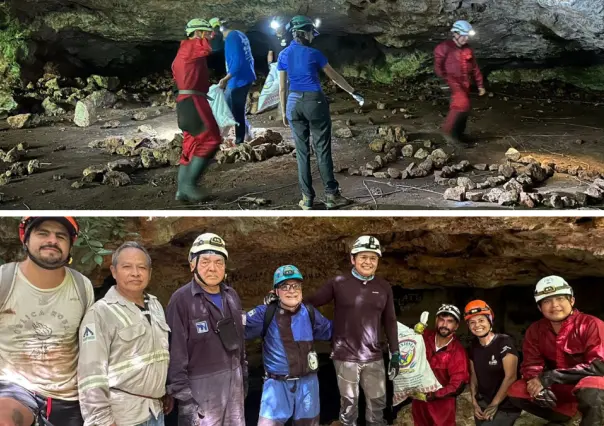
{"x":220,"y":108}
{"x":269,"y":97}
{"x":415,"y":374}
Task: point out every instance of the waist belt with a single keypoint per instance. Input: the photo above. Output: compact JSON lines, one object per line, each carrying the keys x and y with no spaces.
{"x":284,"y":378}
{"x":194,"y":92}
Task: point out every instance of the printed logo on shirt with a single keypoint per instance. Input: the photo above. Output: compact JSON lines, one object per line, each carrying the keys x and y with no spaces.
{"x":252,"y":313}
{"x":202,"y":327}
{"x":493,"y":361}
{"x":89,"y":334}
{"x":505,"y":348}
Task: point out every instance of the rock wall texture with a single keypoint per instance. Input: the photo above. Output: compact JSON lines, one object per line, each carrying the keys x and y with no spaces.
{"x":506,"y":28}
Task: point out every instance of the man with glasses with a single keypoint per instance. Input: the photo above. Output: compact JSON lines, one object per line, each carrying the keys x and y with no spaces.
{"x":208,"y":368}
{"x":288,"y":329}
{"x":363,"y":304}
{"x":563,"y":366}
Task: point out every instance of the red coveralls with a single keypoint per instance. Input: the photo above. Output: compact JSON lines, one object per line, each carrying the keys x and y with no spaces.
{"x":579,"y":342}
{"x":450,"y":366}
{"x":457,"y":65}
{"x":190,"y":70}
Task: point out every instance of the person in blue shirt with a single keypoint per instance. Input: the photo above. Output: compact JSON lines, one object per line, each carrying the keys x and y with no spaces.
{"x":216,"y":58}
{"x":288,"y":329}
{"x":239,"y":78}
{"x":306,"y":110}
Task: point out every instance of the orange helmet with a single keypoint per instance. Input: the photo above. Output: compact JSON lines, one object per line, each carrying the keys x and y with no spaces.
{"x":478,"y":307}
{"x":28,"y":222}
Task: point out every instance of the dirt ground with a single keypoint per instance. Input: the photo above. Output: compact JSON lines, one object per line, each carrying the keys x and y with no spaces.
{"x":546,"y":129}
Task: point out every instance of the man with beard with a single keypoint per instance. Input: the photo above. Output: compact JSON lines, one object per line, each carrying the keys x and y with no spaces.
{"x":563,"y":366}
{"x":42,"y":303}
{"x":124,"y":349}
{"x":208,"y":367}
{"x":449,"y":362}
{"x":363,"y":304}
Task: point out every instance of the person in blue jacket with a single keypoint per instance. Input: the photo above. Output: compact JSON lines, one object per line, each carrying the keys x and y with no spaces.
{"x":306,"y":109}
{"x":239,"y":78}
{"x":288,"y":329}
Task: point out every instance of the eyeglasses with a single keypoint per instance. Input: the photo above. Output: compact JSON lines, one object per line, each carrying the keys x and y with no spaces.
{"x":291,"y":287}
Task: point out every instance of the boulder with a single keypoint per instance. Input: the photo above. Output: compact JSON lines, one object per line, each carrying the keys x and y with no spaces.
{"x":51,"y":108}
{"x":7,"y":102}
{"x":394,"y":173}
{"x":527,"y":201}
{"x":426,"y":165}
{"x":85,"y":113}
{"x":507,"y":171}
{"x":536,"y":172}
{"x":125,"y":165}
{"x":455,"y":194}
{"x":94,"y":173}
{"x":344,"y":132}
{"x":103,"y":99}
{"x":513,"y":154}
{"x":474,"y":195}
{"x":381,"y":175}
{"x":508,"y":198}
{"x":513,"y":185}
{"x":493,"y":195}
{"x":421,"y":154}
{"x":482,"y":167}
{"x":115,"y":178}
{"x":407,"y":151}
{"x":377,"y":145}
{"x":466,"y":183}
{"x":461,"y":166}
{"x":595,"y":192}
{"x":20,"y":121}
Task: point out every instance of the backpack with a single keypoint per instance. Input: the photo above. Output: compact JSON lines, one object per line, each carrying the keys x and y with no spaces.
{"x":271,"y":309}
{"x":8,"y":274}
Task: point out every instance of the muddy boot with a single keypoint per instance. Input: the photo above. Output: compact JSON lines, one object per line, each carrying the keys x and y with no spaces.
{"x":187,"y":180}
{"x":306,"y":202}
{"x":335,"y":201}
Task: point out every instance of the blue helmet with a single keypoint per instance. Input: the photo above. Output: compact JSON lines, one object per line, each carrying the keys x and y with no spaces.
{"x":463,"y":28}
{"x":284,"y":273}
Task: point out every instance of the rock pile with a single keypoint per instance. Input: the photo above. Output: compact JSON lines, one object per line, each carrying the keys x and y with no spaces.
{"x":261,"y":148}
{"x":17,"y":168}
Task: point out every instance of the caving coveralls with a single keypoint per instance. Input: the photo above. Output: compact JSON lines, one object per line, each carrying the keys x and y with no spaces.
{"x":291,"y":386}
{"x":457,"y":66}
{"x":570,"y":363}
{"x":190,"y":72}
{"x":450,"y":366}
{"x":207,"y":378}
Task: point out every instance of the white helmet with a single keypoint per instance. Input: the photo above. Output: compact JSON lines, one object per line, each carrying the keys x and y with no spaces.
{"x":451,"y":310}
{"x":208,"y":242}
{"x":366,"y":243}
{"x":552,"y":286}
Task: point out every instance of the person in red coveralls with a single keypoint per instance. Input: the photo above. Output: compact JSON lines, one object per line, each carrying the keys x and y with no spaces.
{"x":195,"y":118}
{"x":449,"y":362}
{"x":563,"y":366}
{"x":455,"y":63}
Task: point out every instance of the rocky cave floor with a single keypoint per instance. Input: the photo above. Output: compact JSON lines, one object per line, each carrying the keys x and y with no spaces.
{"x":560,"y":127}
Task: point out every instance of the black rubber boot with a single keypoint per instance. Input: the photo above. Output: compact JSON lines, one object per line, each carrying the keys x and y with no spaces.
{"x":187,"y":180}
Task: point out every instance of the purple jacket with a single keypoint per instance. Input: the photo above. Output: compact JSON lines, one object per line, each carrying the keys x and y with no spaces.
{"x":196,"y":351}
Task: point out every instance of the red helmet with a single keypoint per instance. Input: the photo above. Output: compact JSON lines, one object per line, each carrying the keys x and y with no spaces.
{"x":28,"y":222}
{"x":478,"y":307}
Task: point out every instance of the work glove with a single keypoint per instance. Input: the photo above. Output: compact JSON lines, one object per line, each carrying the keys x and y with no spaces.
{"x":358,"y":97}
{"x":420,"y":396}
{"x":395,"y":365}
{"x":546,"y":399}
{"x":422,"y":324}
{"x":270,"y":298}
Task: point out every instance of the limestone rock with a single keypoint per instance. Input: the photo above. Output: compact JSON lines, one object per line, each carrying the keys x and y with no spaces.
{"x":455,"y":194}
{"x":354,"y":172}
{"x":461,"y":166}
{"x":535,"y":171}
{"x":19,"y":121}
{"x":513,"y":154}
{"x":381,"y":175}
{"x":103,"y":99}
{"x":513,"y":185}
{"x":33,"y":166}
{"x":466,"y":183}
{"x":7,"y":102}
{"x":507,"y":171}
{"x":13,"y":155}
{"x":493,"y":195}
{"x":599,"y":182}
{"x":377,"y":145}
{"x":508,"y":198}
{"x":94,"y":173}
{"x":428,"y":144}
{"x":85,"y":113}
{"x":115,"y":178}
{"x":125,"y":165}
{"x":373,"y":166}
{"x":555,"y":201}
{"x":140,"y":116}
{"x":527,"y":201}
{"x":344,"y":132}
{"x":475,"y":195}
{"x":421,"y":154}
{"x":595,"y":192}
{"x":426,"y":165}
{"x":110,"y":83}
{"x":494,"y":167}
{"x":439,"y":157}
{"x":407,"y":151}
{"x":482,"y":167}
{"x":381,"y":105}
{"x":394,"y":173}
{"x":52,"y":108}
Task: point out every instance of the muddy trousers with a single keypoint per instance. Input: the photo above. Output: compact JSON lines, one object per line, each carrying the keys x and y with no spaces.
{"x":588,"y":400}
{"x":371,"y":376}
{"x":218,"y":401}
{"x":236,"y":99}
{"x":308,"y":115}
{"x":285,"y":399}
{"x":459,"y":111}
{"x":440,"y":412}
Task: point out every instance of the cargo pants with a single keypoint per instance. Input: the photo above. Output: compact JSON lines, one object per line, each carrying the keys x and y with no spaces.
{"x":371,"y":376}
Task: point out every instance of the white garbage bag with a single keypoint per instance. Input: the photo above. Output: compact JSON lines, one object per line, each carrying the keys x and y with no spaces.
{"x":220,"y":108}
{"x":415,"y":373}
{"x":269,"y":97}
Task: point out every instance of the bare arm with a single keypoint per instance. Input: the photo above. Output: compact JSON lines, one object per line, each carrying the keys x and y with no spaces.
{"x":473,"y":383}
{"x":510,"y":367}
{"x":283,"y":91}
{"x":338,"y":79}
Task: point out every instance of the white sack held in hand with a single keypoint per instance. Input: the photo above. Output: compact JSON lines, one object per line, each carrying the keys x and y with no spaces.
{"x":416,"y":374}
{"x":220,"y":108}
{"x":269,"y":97}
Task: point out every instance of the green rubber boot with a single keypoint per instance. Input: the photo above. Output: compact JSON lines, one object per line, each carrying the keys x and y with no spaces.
{"x":187,"y":180}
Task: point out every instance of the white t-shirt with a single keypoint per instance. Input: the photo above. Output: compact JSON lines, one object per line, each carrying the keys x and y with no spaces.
{"x":39,"y":341}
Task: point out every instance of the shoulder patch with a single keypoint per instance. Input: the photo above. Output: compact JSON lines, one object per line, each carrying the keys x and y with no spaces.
{"x":89,"y":334}
{"x":252,"y":312}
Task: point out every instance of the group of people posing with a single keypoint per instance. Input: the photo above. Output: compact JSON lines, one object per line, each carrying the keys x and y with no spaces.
{"x":304,"y":106}
{"x":66,"y":360}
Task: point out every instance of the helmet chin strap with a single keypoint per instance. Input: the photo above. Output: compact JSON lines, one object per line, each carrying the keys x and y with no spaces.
{"x":43,"y":266}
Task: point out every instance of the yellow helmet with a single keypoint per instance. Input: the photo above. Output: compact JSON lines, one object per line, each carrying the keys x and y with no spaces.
{"x":197,"y":24}
{"x":215,"y":22}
